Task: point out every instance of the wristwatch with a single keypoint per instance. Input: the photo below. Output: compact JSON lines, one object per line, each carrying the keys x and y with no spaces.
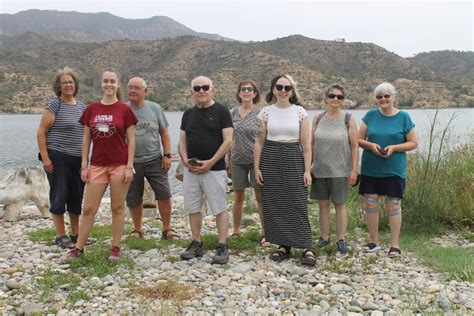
{"x":167,"y":155}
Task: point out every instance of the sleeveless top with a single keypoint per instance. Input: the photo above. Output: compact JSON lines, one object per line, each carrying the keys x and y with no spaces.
{"x":283,"y":124}
{"x":331,"y":151}
{"x":245,"y":131}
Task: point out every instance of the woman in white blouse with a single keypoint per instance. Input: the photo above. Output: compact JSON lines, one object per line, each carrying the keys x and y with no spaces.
{"x":282,"y":159}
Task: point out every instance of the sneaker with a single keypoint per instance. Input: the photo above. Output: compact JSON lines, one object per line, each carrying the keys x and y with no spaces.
{"x":322,"y":242}
{"x":192,"y":251}
{"x":371,"y":247}
{"x":394,"y":252}
{"x":341,"y":246}
{"x":64,"y":242}
{"x":74,"y":254}
{"x":114,"y":254}
{"x":222,"y":254}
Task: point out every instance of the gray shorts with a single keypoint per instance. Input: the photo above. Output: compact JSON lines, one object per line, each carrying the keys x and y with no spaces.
{"x":243,"y":176}
{"x":212,"y":184}
{"x":158,"y":179}
{"x":334,"y":189}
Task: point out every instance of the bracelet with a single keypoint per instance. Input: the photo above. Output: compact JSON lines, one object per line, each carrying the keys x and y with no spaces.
{"x":83,"y":168}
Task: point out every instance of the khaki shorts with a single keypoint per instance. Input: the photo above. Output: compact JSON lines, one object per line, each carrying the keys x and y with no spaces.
{"x":212,"y":184}
{"x":103,"y":174}
{"x":334,"y":189}
{"x":243,"y":176}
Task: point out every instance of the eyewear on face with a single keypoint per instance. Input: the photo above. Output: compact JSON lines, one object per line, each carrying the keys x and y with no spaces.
{"x":204,"y":88}
{"x":67,"y":82}
{"x":385,"y":96}
{"x":280,"y":87}
{"x":332,"y":96}
{"x":109,"y":81}
{"x":249,"y":89}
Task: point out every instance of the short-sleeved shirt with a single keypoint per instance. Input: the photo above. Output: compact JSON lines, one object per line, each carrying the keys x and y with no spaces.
{"x":203,"y":128}
{"x":147,"y":136}
{"x":283,"y":124}
{"x":66,"y":133}
{"x":245,"y":131}
{"x":108,"y":125}
{"x":384,"y":131}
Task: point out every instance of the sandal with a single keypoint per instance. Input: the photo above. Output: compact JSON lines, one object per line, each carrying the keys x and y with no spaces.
{"x":169,"y":234}
{"x":64,"y":242}
{"x":264,"y":243}
{"x":281,"y":254}
{"x":235,"y":235}
{"x":394,"y":252}
{"x":308,"y":258}
{"x":136,"y":234}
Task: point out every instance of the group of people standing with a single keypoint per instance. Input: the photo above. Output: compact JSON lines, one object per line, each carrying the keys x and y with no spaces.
{"x":273,"y":149}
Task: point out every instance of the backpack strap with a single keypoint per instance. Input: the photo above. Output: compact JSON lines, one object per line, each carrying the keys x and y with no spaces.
{"x":320,"y":116}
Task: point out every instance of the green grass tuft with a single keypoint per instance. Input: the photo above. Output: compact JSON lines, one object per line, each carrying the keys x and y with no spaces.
{"x":140,"y":243}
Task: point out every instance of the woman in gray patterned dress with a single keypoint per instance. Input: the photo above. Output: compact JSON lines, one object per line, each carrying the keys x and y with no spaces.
{"x":239,"y":161}
{"x":335,"y":164}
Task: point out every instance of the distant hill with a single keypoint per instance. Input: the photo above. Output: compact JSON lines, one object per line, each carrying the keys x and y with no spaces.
{"x":29,"y":61}
{"x":93,"y":27}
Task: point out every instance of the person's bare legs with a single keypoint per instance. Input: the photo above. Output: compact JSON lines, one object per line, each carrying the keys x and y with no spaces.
{"x":92,"y":198}
{"x":222,"y":223}
{"x":195,"y":221}
{"x":394,"y":210}
{"x":118,"y":193}
{"x":237,"y":209}
{"x":164,"y":206}
{"x":74,"y":220}
{"x":136,"y":213}
{"x":372,"y":216}
{"x":324,"y":218}
{"x":258,"y":199}
{"x":58,"y":221}
{"x":341,"y":220}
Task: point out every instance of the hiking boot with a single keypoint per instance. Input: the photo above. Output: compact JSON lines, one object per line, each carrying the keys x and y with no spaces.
{"x":114,"y":254}
{"x":222,"y":254}
{"x":64,"y":242}
{"x":194,"y":250}
{"x":371,"y":247}
{"x":74,"y":254}
{"x":342,"y":247}
{"x":322,"y":243}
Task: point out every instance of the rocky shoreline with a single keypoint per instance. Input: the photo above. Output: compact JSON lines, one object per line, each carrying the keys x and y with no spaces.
{"x":357,"y":284}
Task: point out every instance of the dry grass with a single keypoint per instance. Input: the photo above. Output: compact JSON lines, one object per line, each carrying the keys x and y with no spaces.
{"x":169,"y":290}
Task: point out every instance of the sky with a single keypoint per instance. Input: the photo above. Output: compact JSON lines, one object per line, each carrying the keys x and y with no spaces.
{"x":403,"y":27}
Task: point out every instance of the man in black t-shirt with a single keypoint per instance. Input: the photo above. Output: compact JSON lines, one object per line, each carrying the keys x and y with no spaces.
{"x":205,"y":138}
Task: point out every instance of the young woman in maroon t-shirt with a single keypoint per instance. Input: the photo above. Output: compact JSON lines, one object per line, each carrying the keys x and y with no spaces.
{"x":110,"y":125}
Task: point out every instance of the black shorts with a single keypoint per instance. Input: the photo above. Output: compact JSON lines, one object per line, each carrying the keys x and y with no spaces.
{"x":66,"y":186}
{"x":156,"y":176}
{"x":387,"y":186}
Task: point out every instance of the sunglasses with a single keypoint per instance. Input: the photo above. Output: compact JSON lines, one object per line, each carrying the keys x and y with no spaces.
{"x":280,"y":87}
{"x":204,"y":88}
{"x":337,"y":96}
{"x":249,"y":89}
{"x":385,"y":96}
{"x":67,"y":82}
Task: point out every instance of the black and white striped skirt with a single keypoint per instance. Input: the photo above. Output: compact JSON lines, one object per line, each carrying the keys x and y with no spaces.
{"x":284,"y":196}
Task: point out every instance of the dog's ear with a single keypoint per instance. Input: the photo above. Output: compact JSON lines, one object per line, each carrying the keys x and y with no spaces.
{"x":25,"y":174}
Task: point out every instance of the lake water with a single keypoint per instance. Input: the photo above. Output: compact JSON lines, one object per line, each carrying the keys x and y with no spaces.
{"x":18,"y":134}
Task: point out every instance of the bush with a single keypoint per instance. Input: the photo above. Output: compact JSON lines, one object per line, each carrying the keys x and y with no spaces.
{"x":440,"y":185}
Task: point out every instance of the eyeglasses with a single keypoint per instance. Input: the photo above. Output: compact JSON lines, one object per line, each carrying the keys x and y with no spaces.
{"x":67,"y":82}
{"x":280,"y":87}
{"x":249,"y":89}
{"x":385,"y":96}
{"x":204,"y":88}
{"x":338,"y":96}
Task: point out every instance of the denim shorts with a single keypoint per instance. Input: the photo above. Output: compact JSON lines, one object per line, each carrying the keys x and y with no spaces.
{"x":156,"y":176}
{"x":334,"y":189}
{"x":66,"y":186}
{"x":387,"y":186}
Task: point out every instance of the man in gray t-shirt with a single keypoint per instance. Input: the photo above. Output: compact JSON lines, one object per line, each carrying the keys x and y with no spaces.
{"x":150,"y":162}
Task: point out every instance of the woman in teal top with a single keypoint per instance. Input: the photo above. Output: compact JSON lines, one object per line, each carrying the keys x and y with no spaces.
{"x":385,"y":134}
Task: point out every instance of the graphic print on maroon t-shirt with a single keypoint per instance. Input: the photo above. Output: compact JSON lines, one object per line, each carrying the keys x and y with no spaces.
{"x":103,"y":126}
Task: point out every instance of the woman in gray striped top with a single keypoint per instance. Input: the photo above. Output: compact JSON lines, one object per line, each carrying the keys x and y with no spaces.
{"x":59,"y":139}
